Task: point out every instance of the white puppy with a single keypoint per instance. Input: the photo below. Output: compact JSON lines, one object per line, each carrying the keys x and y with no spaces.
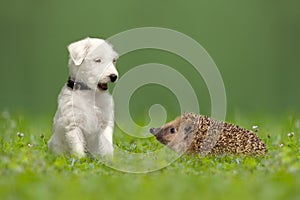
{"x":84,"y":121}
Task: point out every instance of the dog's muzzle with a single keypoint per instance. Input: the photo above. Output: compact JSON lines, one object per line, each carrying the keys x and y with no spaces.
{"x":104,"y":86}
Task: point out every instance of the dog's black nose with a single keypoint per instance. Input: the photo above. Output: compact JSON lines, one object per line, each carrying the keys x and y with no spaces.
{"x":113,"y":77}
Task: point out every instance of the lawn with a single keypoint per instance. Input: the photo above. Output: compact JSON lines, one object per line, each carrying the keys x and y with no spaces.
{"x":29,"y":171}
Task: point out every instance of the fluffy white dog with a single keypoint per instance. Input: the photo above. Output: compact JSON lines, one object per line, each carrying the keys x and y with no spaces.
{"x":84,"y":121}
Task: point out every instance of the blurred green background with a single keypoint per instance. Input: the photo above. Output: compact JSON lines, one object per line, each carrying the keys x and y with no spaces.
{"x":255,"y":45}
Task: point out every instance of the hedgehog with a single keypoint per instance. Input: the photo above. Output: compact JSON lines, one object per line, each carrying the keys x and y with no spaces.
{"x":197,"y":134}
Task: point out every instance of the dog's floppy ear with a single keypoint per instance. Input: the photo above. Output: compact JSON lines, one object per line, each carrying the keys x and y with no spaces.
{"x":78,"y":50}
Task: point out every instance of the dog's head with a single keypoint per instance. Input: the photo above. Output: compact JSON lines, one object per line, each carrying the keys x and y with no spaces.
{"x":92,"y":61}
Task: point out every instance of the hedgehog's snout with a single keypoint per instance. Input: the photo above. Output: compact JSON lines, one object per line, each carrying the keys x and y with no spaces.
{"x":154,"y":131}
{"x":151,"y":130}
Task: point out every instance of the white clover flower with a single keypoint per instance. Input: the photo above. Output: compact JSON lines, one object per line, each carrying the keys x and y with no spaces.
{"x":291,"y":134}
{"x":281,"y":145}
{"x":255,"y":128}
{"x":19,"y":134}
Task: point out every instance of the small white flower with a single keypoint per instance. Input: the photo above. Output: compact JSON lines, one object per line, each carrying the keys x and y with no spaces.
{"x":30,"y":145}
{"x":20,"y":134}
{"x":291,"y":134}
{"x":255,"y":128}
{"x":281,"y":145}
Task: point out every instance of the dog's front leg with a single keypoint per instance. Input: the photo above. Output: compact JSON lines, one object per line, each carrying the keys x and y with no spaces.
{"x":105,"y":142}
{"x":76,"y":142}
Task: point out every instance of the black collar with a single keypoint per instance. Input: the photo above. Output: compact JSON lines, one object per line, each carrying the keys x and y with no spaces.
{"x":77,"y":85}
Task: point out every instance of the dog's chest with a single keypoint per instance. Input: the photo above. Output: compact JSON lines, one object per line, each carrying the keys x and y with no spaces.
{"x":95,"y":108}
{"x":104,"y":108}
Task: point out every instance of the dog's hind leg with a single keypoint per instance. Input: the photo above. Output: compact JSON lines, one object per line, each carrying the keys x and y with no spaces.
{"x":76,"y":142}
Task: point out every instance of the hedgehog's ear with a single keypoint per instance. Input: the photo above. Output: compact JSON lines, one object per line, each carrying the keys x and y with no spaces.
{"x":189,"y":123}
{"x":78,"y":51}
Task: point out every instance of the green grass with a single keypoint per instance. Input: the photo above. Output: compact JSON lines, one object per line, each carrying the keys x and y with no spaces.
{"x":29,"y":171}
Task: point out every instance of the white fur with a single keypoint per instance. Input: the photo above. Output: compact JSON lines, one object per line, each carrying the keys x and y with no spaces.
{"x":84,"y":120}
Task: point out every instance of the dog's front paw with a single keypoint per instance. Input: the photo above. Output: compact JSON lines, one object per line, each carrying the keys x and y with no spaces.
{"x":78,"y":154}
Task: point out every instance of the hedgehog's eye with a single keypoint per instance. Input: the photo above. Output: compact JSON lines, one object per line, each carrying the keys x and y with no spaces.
{"x":172,"y":130}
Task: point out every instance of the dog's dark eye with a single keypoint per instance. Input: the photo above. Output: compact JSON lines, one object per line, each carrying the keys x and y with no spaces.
{"x":172,"y":130}
{"x":114,"y":60}
{"x":98,"y":60}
